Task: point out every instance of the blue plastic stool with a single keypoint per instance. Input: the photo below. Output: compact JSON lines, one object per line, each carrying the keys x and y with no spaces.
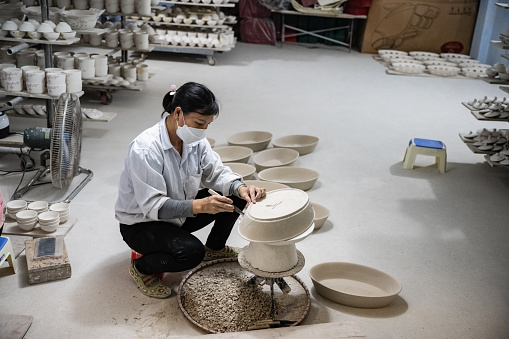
{"x":7,"y":253}
{"x":425,"y":147}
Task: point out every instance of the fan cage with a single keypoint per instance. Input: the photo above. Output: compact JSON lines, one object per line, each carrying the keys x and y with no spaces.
{"x":65,"y":147}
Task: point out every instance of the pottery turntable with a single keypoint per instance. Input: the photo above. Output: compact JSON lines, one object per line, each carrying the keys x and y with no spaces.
{"x":272,"y":226}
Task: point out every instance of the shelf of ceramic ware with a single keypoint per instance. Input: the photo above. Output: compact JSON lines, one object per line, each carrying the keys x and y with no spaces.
{"x":479,"y":116}
{"x":493,"y":163}
{"x":25,"y":94}
{"x":42,"y":41}
{"x":105,"y":116}
{"x":499,"y":4}
{"x":119,"y":48}
{"x":229,"y":4}
{"x":172,"y":24}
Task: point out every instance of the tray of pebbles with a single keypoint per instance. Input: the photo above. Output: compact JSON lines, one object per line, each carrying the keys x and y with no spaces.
{"x":217,"y":297}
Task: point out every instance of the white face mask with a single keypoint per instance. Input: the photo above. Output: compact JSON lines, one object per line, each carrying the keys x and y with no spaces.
{"x":189,"y":134}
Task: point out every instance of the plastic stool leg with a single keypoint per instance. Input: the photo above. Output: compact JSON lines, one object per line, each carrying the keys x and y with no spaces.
{"x":441,"y":161}
{"x":9,"y":252}
{"x":409,"y":158}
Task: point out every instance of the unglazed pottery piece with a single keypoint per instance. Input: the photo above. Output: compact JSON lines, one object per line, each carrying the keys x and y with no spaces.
{"x":444,"y":71}
{"x":271,"y":258}
{"x":321,"y":215}
{"x":283,"y":214}
{"x":470,"y":135}
{"x":234,"y":153}
{"x":497,"y":157}
{"x":354,"y":285}
{"x":296,"y":177}
{"x":303,"y":144}
{"x":244,"y":170}
{"x":256,"y":140}
{"x":275,"y":157}
{"x":408,"y":68}
{"x":268,"y":185}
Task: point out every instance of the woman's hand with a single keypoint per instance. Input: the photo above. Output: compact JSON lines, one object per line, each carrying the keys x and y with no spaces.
{"x":252,"y":194}
{"x":212,"y":205}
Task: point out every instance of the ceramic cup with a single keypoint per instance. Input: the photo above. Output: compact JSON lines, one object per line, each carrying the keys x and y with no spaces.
{"x":13,"y":74}
{"x":65,"y":62}
{"x":87,"y":67}
{"x":96,"y":39}
{"x":141,"y":41}
{"x":77,"y":56}
{"x":14,"y":86}
{"x":143,"y":7}
{"x":112,"y":39}
{"x":129,"y":72}
{"x":99,"y":4}
{"x":25,"y":69}
{"x":55,"y":79}
{"x":35,"y":88}
{"x":127,"y":6}
{"x":112,"y":6}
{"x":56,"y":90}
{"x":35,"y":76}
{"x":72,"y":75}
{"x":142,"y":72}
{"x":73,"y":87}
{"x":115,"y":70}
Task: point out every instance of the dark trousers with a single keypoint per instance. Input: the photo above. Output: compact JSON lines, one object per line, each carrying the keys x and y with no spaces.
{"x":167,"y":247}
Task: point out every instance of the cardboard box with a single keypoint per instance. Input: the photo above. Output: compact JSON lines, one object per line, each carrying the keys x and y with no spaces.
{"x":439,"y":26}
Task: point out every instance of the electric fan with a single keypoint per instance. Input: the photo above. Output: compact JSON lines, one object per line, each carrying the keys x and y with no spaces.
{"x":63,"y":141}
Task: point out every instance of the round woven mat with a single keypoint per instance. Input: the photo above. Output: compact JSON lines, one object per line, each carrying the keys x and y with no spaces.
{"x":293,"y":306}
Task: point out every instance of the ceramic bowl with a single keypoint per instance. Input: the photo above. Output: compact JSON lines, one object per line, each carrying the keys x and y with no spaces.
{"x":68,"y":35}
{"x":275,"y":157}
{"x":234,"y":153}
{"x":283,"y":214}
{"x":244,"y":170}
{"x":420,"y":53}
{"x":48,"y":217}
{"x":268,"y":185}
{"x":321,"y":215}
{"x":354,"y":285}
{"x":45,"y":28}
{"x":18,"y":34}
{"x":440,"y":62}
{"x":60,"y":207}
{"x":408,"y":68}
{"x":27,"y":225}
{"x":52,"y":227}
{"x":491,"y":72}
{"x":26,"y":216}
{"x":211,"y":141}
{"x":296,"y":177}
{"x":9,"y":25}
{"x":35,"y":35}
{"x":81,"y":19}
{"x":443,"y":71}
{"x":256,"y":140}
{"x":16,"y":205}
{"x":303,"y":144}
{"x":473,"y":72}
{"x":51,"y":36}
{"x":391,"y":51}
{"x":454,"y":56}
{"x":27,"y":27}
{"x":38,"y":206}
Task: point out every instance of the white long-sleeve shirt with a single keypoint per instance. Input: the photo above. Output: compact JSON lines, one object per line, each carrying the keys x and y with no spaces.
{"x":154,"y":172}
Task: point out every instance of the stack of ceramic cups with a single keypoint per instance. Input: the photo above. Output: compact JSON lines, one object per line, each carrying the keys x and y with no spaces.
{"x":126,"y":39}
{"x":73,"y":80}
{"x":143,"y":7}
{"x":142,"y":72}
{"x":25,"y":69}
{"x":2,"y":78}
{"x":49,"y":221}
{"x":77,"y":56}
{"x":38,"y":206}
{"x":87,"y":67}
{"x":35,"y":81}
{"x":62,"y":209}
{"x":101,"y":65}
{"x":96,"y":39}
{"x":13,"y":79}
{"x":112,"y":38}
{"x":141,"y":40}
{"x":55,"y":81}
{"x":26,"y":220}
{"x":129,"y":72}
{"x":15,"y":206}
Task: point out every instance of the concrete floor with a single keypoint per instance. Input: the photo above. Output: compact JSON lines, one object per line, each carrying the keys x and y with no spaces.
{"x":445,"y":237}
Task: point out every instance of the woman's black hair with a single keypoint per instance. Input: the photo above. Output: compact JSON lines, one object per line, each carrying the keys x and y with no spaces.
{"x":191,"y":97}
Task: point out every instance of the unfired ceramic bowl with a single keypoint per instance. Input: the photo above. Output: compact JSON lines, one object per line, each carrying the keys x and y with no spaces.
{"x":283,"y":214}
{"x":296,"y":177}
{"x":275,"y":157}
{"x":321,"y":215}
{"x":268,"y":185}
{"x":256,"y":140}
{"x":303,"y":144}
{"x":244,"y":170}
{"x":354,"y":285}
{"x":234,"y":153}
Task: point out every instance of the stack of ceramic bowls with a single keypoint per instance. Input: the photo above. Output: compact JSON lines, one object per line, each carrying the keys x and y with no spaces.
{"x":73,"y":80}
{"x":15,"y":206}
{"x":62,"y":209}
{"x":55,"y":83}
{"x":49,"y":221}
{"x":26,"y":220}
{"x":38,"y":206}
{"x":35,"y":81}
